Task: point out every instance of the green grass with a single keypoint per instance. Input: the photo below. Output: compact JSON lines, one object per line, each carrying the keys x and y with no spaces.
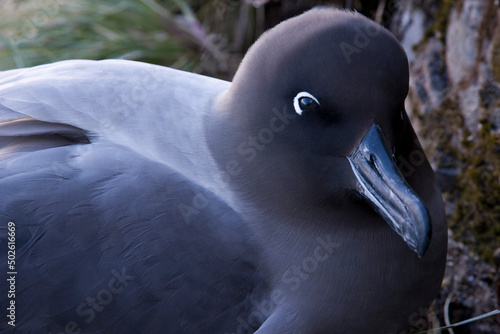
{"x":196,"y":36}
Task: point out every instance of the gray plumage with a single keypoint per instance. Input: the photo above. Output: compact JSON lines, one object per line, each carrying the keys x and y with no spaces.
{"x":153,"y":200}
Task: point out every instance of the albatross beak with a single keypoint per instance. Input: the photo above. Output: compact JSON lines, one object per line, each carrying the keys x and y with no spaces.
{"x":382,"y":184}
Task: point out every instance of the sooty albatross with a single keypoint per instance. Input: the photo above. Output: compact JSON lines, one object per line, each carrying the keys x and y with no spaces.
{"x":294,"y":199}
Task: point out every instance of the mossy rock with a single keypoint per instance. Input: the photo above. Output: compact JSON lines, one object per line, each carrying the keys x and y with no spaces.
{"x":438,"y":29}
{"x":477,"y":195}
{"x":475,"y":198}
{"x":495,"y":58}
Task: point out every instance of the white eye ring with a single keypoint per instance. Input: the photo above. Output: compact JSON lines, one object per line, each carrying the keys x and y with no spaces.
{"x":296,"y":99}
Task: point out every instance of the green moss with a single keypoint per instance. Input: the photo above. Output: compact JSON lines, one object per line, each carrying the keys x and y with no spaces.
{"x":441,"y":128}
{"x":477,"y":194}
{"x":427,"y":34}
{"x":443,"y":16}
{"x":438,"y":29}
{"x":475,"y":197}
{"x":495,"y":58}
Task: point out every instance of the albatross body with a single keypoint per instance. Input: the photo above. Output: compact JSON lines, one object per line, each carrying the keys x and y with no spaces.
{"x":295,"y":199}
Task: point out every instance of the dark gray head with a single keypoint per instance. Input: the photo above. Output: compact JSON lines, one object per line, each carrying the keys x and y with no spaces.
{"x":315,"y":118}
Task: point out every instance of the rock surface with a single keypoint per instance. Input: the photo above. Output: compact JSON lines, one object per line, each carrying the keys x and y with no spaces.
{"x":454,"y":101}
{"x":470,"y":287}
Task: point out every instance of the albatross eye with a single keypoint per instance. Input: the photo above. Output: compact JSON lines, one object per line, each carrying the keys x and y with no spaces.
{"x":305,"y":101}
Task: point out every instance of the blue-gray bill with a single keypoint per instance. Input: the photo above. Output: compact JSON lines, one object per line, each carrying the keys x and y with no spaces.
{"x":387,"y":191}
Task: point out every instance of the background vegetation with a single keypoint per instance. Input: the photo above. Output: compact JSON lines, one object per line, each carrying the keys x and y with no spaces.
{"x":208,"y":37}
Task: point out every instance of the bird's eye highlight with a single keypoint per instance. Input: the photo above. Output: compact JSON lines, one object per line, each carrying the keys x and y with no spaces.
{"x":304,"y":102}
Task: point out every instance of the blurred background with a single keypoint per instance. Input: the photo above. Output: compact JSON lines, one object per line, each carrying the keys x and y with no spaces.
{"x":454,"y":99}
